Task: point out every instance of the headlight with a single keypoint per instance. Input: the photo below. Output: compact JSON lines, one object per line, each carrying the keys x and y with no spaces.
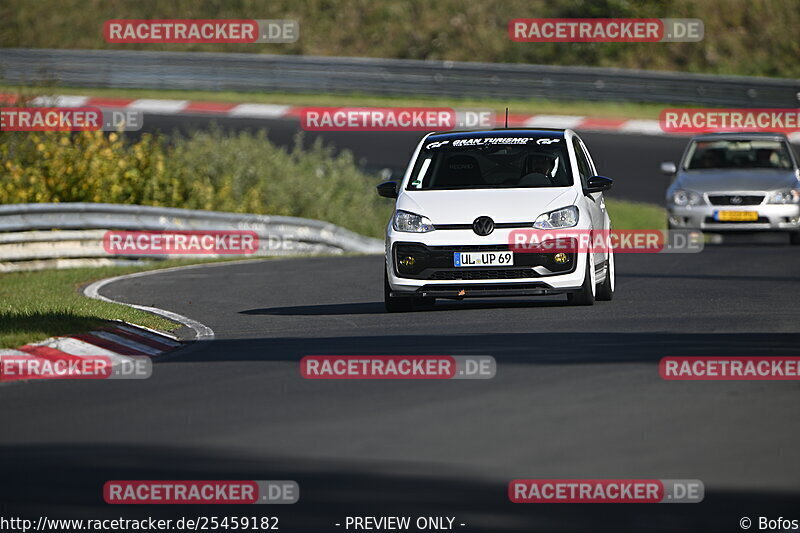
{"x":560,"y":218}
{"x":785,"y":197}
{"x":411,"y":223}
{"x":684,"y":198}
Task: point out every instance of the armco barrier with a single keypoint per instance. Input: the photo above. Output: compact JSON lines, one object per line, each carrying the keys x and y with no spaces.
{"x":285,"y":73}
{"x":37,"y":236}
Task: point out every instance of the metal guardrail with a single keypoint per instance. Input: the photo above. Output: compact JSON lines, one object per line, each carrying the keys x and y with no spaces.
{"x":261,"y":72}
{"x":38,"y":236}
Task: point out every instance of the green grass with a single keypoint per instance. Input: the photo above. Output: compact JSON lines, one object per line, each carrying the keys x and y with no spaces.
{"x":636,"y":215}
{"x":628,"y":110}
{"x":38,"y":305}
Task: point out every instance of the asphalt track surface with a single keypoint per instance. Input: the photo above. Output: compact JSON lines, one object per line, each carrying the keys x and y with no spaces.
{"x":577,"y":395}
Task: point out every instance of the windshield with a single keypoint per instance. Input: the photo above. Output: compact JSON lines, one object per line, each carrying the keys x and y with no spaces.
{"x":738,"y":154}
{"x":491,"y":163}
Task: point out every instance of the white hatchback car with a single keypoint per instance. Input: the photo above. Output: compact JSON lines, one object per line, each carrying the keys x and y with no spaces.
{"x":463,"y":195}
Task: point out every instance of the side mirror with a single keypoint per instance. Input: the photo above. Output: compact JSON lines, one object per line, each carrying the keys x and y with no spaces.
{"x":387,"y":189}
{"x":598,"y":184}
{"x":669,"y":168}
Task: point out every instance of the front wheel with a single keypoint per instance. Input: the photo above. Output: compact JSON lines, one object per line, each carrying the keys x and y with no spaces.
{"x":586,"y":295}
{"x":605,"y":292}
{"x":394,"y":304}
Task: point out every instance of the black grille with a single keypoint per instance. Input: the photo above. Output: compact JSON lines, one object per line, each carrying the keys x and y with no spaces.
{"x":472,"y":248}
{"x":728,"y":199}
{"x":436,"y":263}
{"x":507,"y":273}
{"x":502,"y":225}
{"x":472,"y":288}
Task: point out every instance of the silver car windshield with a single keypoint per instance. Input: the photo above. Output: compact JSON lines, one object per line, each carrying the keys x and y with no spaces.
{"x":738,"y":154}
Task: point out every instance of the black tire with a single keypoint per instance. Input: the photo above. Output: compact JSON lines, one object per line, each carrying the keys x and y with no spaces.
{"x":586,"y":295}
{"x":394,"y":304}
{"x":605,"y":291}
{"x":794,"y":237}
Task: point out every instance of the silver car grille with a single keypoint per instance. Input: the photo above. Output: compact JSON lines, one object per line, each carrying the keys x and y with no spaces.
{"x":735,"y":199}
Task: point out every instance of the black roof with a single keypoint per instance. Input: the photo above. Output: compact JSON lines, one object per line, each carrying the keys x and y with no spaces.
{"x":738,"y":136}
{"x":499,"y":132}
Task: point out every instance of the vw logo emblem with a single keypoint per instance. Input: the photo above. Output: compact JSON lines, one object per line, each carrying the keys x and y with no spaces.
{"x":736,"y":200}
{"x":483,"y":226}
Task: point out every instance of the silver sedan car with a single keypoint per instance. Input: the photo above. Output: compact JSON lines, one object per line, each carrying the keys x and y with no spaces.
{"x":735,"y":182}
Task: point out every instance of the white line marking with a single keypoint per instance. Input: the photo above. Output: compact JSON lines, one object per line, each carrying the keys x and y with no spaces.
{"x":79,"y":348}
{"x":60,"y":101}
{"x":116,"y":339}
{"x":201,"y":331}
{"x":149,"y":334}
{"x":647,"y":127}
{"x":553,"y":121}
{"x":158,"y":106}
{"x":259,"y":110}
{"x":15,"y":353}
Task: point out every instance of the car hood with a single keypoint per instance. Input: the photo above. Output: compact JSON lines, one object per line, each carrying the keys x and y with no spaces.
{"x":736,"y":180}
{"x":503,"y":205}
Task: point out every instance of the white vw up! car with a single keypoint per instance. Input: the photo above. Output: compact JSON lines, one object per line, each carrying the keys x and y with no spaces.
{"x":463,"y":197}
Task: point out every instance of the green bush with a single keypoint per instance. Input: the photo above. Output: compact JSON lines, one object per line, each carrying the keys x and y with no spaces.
{"x":242,"y":173}
{"x":84,"y":167}
{"x":248,"y":174}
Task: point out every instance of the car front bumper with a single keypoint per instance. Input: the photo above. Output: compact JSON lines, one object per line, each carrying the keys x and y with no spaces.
{"x":434,"y":273}
{"x":771,"y":217}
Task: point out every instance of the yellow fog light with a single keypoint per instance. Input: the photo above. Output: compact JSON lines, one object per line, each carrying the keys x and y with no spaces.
{"x":560,"y":257}
{"x":407,"y":261}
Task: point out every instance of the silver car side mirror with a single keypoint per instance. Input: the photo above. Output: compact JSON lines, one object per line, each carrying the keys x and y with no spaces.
{"x":669,"y":168}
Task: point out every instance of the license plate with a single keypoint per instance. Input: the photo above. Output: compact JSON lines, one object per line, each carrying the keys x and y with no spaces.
{"x":737,"y":216}
{"x":476,"y":259}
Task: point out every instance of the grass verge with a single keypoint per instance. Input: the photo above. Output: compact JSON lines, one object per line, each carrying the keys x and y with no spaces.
{"x":636,"y":215}
{"x":624,"y":110}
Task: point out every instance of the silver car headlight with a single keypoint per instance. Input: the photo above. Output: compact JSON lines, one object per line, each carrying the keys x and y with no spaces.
{"x":785,"y":197}
{"x":411,"y":223}
{"x":682,"y":198}
{"x":560,"y":218}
